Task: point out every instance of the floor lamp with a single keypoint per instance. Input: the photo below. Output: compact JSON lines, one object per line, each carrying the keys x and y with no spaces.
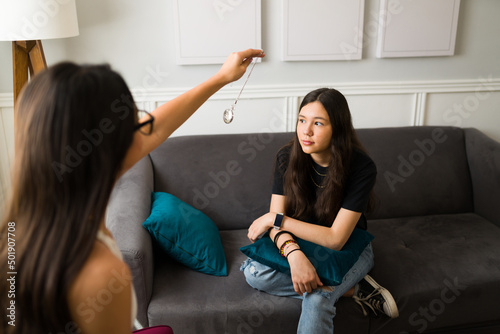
{"x":26,"y":23}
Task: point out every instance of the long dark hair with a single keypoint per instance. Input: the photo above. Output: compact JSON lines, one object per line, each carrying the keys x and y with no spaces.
{"x":74,"y":127}
{"x":302,"y":200}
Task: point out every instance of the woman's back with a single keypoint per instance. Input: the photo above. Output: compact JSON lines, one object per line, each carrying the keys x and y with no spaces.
{"x":102,"y":290}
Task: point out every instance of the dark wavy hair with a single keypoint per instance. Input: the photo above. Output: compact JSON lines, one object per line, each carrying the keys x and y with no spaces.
{"x":74,"y":126}
{"x":302,"y":201}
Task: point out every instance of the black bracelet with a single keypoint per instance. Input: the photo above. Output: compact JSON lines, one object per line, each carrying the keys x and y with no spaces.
{"x":290,"y":252}
{"x":276,"y":237}
{"x":280,"y":233}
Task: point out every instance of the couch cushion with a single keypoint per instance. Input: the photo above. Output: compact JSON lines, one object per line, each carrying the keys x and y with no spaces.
{"x":443,"y":270}
{"x":421,"y":171}
{"x":186,"y":234}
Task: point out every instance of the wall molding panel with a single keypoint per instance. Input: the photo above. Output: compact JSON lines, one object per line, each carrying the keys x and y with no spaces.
{"x":417,"y":29}
{"x":419,"y":111}
{"x":292,"y":94}
{"x":227,"y":26}
{"x":411,"y":98}
{"x":304,"y":24}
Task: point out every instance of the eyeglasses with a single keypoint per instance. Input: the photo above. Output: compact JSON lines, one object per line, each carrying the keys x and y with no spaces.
{"x":145,"y":127}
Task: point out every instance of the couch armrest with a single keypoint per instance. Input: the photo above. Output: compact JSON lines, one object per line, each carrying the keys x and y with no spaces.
{"x":483,"y":154}
{"x":128,"y":207}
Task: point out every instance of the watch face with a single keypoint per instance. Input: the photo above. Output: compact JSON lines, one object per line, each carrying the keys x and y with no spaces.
{"x":277,"y":221}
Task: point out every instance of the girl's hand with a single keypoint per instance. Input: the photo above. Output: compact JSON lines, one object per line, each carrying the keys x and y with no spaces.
{"x":304,"y":276}
{"x":236,"y":65}
{"x":261,"y":225}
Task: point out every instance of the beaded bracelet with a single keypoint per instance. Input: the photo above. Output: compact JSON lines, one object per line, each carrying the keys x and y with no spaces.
{"x":291,"y":241}
{"x":290,"y":245}
{"x":275,"y":240}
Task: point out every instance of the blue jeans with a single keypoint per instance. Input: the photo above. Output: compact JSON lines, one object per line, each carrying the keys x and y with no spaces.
{"x":318,"y":306}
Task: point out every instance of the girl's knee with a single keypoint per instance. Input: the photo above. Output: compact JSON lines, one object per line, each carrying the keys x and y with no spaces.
{"x":321,"y":301}
{"x":253,"y":272}
{"x":324,"y":294}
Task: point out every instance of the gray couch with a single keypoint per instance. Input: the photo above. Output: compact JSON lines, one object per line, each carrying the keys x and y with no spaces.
{"x":436,"y":228}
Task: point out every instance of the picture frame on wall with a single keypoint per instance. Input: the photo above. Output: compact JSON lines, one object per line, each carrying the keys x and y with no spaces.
{"x":421,"y":28}
{"x":207,"y":31}
{"x":316,"y":30}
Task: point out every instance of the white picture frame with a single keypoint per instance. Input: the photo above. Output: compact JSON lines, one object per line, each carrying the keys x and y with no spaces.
{"x":316,"y":30}
{"x":207,"y":31}
{"x":423,"y":28}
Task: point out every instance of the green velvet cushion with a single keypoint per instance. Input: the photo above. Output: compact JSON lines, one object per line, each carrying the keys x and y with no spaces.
{"x":330,"y":265}
{"x":186,"y":234}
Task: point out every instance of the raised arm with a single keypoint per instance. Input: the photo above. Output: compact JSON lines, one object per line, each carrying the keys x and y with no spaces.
{"x":171,"y":115}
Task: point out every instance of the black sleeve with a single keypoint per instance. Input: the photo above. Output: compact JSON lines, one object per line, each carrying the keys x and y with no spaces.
{"x":280,"y":166}
{"x":360,"y":182}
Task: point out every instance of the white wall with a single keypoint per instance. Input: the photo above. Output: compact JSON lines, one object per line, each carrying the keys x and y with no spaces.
{"x":137,"y":38}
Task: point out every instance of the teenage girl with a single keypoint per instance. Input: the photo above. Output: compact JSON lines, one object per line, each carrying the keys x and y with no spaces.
{"x":77,"y":132}
{"x":323,"y":181}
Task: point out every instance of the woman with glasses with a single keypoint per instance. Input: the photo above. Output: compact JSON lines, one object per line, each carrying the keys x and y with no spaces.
{"x":77,"y":132}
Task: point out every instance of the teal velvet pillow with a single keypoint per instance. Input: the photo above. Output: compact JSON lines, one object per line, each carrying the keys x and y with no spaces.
{"x":331,"y":266}
{"x":186,"y":234}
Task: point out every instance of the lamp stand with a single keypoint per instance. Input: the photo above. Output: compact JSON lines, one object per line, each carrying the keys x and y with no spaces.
{"x":27,"y":56}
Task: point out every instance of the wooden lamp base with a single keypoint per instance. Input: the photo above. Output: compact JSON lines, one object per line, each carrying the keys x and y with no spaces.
{"x":27,"y":57}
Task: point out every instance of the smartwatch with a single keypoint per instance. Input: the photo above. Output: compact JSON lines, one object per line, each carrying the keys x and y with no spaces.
{"x":278,"y":220}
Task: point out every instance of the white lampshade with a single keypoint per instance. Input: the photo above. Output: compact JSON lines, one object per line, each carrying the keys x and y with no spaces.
{"x":22,"y":20}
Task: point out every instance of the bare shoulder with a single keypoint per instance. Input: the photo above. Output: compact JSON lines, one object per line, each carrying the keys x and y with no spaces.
{"x":100,"y":297}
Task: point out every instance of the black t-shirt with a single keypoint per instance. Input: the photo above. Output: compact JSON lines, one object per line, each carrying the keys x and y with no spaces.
{"x":360,"y":181}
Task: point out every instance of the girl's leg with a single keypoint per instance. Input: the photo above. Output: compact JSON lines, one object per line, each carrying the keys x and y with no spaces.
{"x":318,"y":307}
{"x":264,"y":278}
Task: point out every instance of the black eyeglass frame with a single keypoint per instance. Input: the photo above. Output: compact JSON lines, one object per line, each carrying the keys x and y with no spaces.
{"x":149,"y":121}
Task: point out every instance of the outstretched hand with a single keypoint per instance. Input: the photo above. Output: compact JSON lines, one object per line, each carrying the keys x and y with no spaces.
{"x":236,"y":64}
